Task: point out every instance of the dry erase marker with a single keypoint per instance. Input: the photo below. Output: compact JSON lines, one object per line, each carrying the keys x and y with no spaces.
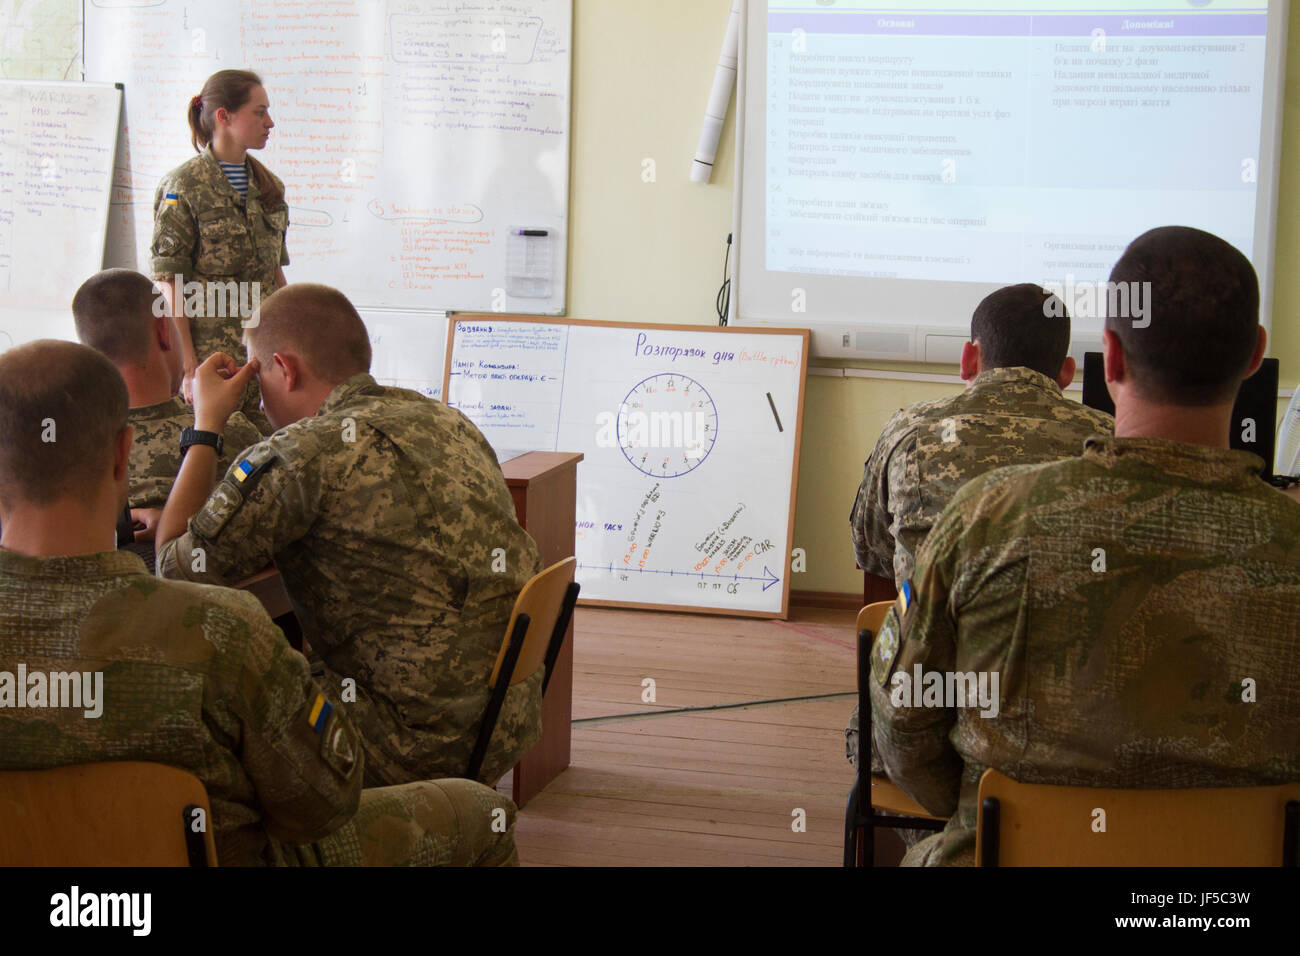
{"x":529,"y":262}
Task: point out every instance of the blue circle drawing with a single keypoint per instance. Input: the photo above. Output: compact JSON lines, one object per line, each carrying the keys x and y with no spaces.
{"x":667,"y":425}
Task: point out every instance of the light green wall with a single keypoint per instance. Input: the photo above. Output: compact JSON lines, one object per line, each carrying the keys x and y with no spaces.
{"x":652,"y":252}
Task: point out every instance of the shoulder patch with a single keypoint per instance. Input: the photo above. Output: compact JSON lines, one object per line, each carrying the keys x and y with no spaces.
{"x":337,"y":745}
{"x":229,"y":495}
{"x":885,"y":650}
{"x":220,"y":507}
{"x":904,"y":599}
{"x":249,"y":470}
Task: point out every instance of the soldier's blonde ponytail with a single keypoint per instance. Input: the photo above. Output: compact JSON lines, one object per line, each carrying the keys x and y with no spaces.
{"x":230,"y":90}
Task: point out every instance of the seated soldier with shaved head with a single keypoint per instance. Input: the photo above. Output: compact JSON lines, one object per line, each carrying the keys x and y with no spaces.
{"x":384,"y":511}
{"x":189,"y":675}
{"x":1139,"y":605}
{"x":1012,"y":412}
{"x":115,"y":314}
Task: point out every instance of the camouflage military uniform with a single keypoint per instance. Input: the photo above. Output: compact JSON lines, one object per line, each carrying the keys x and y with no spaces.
{"x":929,"y":450}
{"x":156,"y":449}
{"x":1122,"y":598}
{"x":209,"y":233}
{"x":199,"y":678}
{"x":383,"y":512}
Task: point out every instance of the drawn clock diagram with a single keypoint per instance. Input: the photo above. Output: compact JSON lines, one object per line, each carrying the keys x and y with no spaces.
{"x":667,"y":425}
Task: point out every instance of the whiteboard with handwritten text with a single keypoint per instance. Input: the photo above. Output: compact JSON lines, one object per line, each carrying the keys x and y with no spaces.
{"x":690,"y":437}
{"x":56,"y":167}
{"x":423,"y":144}
{"x":407,"y":349}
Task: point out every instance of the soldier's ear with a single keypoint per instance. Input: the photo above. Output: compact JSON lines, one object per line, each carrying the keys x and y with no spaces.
{"x":1066,"y":375}
{"x":162,"y":330}
{"x":971,"y":361}
{"x":1261,"y":348}
{"x":122,"y":453}
{"x":288,"y":366}
{"x":1113,"y":354}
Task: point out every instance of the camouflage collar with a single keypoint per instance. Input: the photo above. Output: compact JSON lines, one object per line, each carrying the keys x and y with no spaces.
{"x":343,"y":393}
{"x":1199,"y":463}
{"x":65,"y":567}
{"x":217,"y":177}
{"x":159,"y":410}
{"x":1014,"y":374}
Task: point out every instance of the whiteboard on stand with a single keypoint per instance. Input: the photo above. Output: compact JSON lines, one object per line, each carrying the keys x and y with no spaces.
{"x":685,"y":497}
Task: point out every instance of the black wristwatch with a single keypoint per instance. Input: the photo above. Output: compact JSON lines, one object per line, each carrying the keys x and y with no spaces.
{"x":192,"y":436}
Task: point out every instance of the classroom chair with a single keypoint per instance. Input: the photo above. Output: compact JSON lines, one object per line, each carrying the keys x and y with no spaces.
{"x":865,"y":813}
{"x":117,"y":813}
{"x":533,"y":638}
{"x":1028,"y":824}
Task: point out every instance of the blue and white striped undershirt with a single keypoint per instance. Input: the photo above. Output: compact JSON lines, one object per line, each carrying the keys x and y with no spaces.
{"x":237,"y":173}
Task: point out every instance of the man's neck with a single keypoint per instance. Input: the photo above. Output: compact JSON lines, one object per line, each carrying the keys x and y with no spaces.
{"x":1205,"y":425}
{"x":144,"y":386}
{"x":66,"y":527}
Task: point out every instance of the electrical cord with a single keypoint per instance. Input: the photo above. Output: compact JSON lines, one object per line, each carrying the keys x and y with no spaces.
{"x":723,"y":302}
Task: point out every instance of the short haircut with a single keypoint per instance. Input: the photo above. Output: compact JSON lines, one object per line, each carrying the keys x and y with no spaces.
{"x":1022,"y":325}
{"x":62,"y":406}
{"x":114,"y":312}
{"x":316,"y":323}
{"x":1203,"y":310}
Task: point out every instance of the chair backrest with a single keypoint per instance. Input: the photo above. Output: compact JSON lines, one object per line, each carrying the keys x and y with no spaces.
{"x":872,"y":616}
{"x":542,"y":599}
{"x":533,"y":637}
{"x":119,"y":813}
{"x":1048,"y":825}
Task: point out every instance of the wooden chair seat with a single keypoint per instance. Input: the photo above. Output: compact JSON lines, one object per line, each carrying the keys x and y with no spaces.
{"x":886,"y":797}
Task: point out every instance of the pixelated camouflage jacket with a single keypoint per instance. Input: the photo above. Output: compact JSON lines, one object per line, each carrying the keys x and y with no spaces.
{"x":1124,"y":598}
{"x":156,"y":450}
{"x":208,"y":233}
{"x":383,"y":512}
{"x":195,"y":677}
{"x":1006,"y":416}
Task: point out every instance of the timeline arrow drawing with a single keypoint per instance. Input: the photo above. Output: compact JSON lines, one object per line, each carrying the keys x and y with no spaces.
{"x":768,"y":577}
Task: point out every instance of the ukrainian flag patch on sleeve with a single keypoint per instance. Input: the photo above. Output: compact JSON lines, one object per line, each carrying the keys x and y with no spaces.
{"x":904,"y":599}
{"x":242,"y":470}
{"x":320,"y":713}
{"x":171,"y":199}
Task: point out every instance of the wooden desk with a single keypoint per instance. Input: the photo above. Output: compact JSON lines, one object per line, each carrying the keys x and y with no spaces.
{"x":544,"y":486}
{"x":875,"y":588}
{"x":268,"y":588}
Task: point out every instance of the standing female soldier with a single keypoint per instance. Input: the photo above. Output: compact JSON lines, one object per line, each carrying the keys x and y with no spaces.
{"x":221,"y":218}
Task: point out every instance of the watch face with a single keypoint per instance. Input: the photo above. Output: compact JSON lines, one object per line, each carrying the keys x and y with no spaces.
{"x":667,"y":425}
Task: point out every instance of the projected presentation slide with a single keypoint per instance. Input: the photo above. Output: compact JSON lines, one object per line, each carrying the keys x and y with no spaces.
{"x":995,"y":142}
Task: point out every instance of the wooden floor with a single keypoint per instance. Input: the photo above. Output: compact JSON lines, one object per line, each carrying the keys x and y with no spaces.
{"x":652,"y":786}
